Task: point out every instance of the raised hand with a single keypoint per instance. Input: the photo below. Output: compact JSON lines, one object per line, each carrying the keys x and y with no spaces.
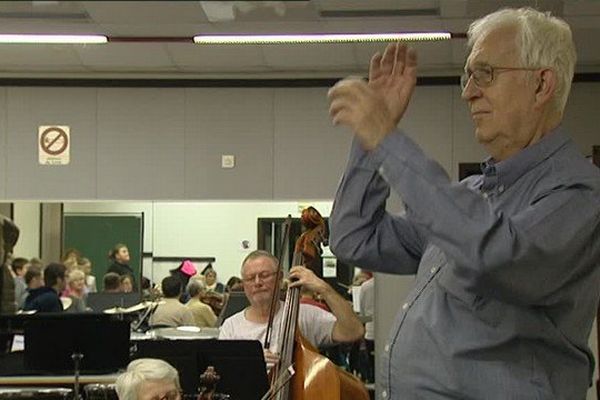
{"x":373,"y":108}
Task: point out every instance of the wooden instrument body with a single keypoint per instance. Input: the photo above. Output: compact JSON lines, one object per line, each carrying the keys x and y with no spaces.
{"x":316,"y":377}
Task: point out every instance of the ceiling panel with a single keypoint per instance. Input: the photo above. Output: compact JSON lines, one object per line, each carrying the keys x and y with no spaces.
{"x":312,"y":56}
{"x":37,"y":56}
{"x":144,"y":12}
{"x":229,"y":58}
{"x":143,"y":56}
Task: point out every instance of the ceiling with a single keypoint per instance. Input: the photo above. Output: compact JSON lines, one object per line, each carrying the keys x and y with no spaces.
{"x":153,"y":33}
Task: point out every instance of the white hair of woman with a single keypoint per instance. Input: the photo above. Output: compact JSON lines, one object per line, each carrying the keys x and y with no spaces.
{"x":544,"y":41}
{"x":129,"y":383}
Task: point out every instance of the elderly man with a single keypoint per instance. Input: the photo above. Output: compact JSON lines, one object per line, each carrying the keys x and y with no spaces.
{"x":507,"y":262}
{"x":203,"y":313}
{"x":148,"y":379}
{"x":321,"y":328}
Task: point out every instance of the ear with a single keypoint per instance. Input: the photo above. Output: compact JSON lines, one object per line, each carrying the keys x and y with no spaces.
{"x":546,"y":86}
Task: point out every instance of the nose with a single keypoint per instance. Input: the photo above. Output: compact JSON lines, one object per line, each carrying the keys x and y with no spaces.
{"x":470,"y":90}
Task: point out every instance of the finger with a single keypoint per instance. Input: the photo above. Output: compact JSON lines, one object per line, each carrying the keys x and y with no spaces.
{"x":296,"y":268}
{"x":411,"y":62}
{"x":338,"y":105}
{"x":351,"y":90}
{"x":387,"y":61}
{"x":399,"y":60}
{"x":374,"y":69}
{"x":345,"y":86}
{"x":345,"y":118}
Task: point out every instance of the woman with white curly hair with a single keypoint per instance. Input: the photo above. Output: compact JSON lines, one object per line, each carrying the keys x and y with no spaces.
{"x":149,"y":379}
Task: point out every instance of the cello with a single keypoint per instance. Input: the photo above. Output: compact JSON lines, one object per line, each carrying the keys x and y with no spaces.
{"x":314,"y":375}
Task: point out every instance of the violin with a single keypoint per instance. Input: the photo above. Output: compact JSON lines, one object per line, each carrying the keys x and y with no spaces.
{"x":215,"y":300}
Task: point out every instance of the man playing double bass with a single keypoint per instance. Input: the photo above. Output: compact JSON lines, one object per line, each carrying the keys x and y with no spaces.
{"x":321,"y":328}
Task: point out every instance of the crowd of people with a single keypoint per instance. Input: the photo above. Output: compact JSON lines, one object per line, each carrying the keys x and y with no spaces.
{"x":188,"y":297}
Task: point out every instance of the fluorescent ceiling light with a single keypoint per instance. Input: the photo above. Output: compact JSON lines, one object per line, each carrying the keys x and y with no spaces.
{"x":321,"y":38}
{"x":53,"y":39}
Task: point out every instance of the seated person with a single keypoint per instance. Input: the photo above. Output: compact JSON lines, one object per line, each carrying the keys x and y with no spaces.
{"x":126,"y":283}
{"x":170,"y":312}
{"x":19,"y":268}
{"x":74,"y":294}
{"x":234,"y":284}
{"x":85,"y":265}
{"x":45,"y":298}
{"x":112,"y":283}
{"x":33,"y":280}
{"x":321,"y":328}
{"x":203,"y":313}
{"x":148,"y":379}
{"x":210,"y":278}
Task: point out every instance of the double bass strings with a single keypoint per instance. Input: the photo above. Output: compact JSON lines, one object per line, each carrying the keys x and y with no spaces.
{"x":280,"y":383}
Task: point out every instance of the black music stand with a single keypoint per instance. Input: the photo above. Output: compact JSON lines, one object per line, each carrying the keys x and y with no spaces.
{"x":52,"y":339}
{"x":103,"y":301}
{"x":236,"y":302}
{"x":239,"y":363}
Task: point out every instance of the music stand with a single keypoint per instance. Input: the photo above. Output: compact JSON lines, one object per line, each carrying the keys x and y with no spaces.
{"x":236,"y":302}
{"x":52,"y":339}
{"x":103,"y":301}
{"x":239,"y":363}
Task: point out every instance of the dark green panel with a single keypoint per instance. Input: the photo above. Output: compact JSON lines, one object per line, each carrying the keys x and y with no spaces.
{"x":95,"y":235}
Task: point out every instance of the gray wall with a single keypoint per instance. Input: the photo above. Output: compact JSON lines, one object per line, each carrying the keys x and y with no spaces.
{"x":166,"y":143}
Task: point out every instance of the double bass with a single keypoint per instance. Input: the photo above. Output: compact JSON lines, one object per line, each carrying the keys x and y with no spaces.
{"x":314,"y":375}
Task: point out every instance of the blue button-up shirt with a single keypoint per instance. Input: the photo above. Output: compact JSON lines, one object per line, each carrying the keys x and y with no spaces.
{"x":507,"y":268}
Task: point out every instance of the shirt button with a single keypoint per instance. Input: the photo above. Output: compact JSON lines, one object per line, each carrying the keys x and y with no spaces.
{"x":404,"y":306}
{"x":381,"y":170}
{"x":433,"y":269}
{"x":386,"y":348}
{"x":501,"y":188}
{"x":485,"y":195}
{"x":384,"y":395}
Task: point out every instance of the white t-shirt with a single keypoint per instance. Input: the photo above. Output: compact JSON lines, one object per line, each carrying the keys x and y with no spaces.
{"x":367,"y":306}
{"x":315,"y":324}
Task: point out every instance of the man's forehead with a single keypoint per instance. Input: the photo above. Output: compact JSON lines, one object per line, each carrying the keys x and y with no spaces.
{"x":496,"y":47}
{"x":261,"y":262}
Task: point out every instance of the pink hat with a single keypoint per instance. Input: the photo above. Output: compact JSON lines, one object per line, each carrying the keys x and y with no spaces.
{"x":188,"y":268}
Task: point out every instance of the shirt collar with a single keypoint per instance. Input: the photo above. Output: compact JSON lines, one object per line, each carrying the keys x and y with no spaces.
{"x":506,"y":172}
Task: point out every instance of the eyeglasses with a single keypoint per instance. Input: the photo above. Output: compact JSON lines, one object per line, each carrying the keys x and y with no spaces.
{"x":263,"y":276}
{"x":172,"y":395}
{"x":484,"y":75}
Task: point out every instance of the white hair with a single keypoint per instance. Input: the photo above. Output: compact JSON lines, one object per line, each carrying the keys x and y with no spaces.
{"x":141,"y":370}
{"x":195,"y":287}
{"x":259,"y":254}
{"x":543,"y":41}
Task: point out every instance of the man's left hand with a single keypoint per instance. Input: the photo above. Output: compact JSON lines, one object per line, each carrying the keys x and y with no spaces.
{"x":373,"y":109}
{"x":302,"y":276}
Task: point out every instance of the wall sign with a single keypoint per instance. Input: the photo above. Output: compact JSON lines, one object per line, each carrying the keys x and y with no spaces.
{"x":54,"y":144}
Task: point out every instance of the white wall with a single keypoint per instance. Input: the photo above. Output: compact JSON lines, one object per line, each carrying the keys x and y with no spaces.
{"x":27,"y":218}
{"x":200,"y":229}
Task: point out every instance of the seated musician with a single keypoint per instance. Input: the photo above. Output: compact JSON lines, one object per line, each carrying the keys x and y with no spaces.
{"x":321,"y":328}
{"x":170,"y":312}
{"x":147,"y":379}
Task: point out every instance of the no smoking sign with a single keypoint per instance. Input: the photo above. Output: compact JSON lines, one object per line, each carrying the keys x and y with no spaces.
{"x":54,"y":145}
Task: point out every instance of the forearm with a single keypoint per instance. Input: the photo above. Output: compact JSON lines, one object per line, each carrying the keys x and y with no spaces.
{"x":362,"y":232}
{"x":348,"y":327}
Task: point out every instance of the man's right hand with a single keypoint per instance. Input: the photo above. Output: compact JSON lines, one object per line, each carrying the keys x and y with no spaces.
{"x":270,"y":358}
